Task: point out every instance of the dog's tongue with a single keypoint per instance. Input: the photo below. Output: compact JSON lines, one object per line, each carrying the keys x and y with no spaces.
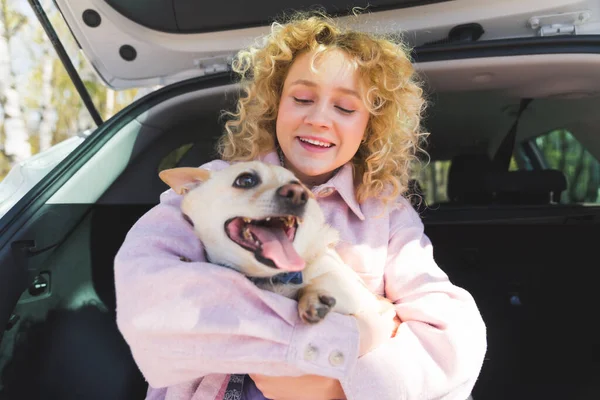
{"x":277,"y":247}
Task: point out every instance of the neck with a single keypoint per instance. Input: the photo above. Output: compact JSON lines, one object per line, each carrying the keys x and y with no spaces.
{"x":309,"y":181}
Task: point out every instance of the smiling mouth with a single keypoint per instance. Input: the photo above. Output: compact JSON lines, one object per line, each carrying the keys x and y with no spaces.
{"x":270,"y":240}
{"x":317,"y":143}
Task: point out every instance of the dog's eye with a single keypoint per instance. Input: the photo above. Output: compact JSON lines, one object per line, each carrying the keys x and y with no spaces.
{"x":246,"y":181}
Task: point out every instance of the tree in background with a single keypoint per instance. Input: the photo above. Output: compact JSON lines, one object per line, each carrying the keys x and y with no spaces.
{"x":47,"y":109}
{"x":565,"y":153}
{"x":14,"y":145}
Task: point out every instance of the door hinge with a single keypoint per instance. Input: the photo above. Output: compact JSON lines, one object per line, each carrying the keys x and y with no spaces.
{"x":559,"y":24}
{"x":212,"y":65}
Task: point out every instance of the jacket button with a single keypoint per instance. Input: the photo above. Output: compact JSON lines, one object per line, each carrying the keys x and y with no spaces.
{"x":325,"y":192}
{"x":311,"y":353}
{"x":336,"y":358}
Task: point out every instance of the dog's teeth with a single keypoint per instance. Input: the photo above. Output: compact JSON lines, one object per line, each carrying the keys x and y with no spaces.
{"x":247,"y":220}
{"x":247,"y":234}
{"x":268,"y":219}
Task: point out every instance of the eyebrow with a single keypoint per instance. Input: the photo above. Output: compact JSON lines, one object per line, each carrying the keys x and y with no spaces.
{"x":306,"y":82}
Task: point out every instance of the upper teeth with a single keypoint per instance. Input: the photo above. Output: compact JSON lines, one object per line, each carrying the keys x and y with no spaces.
{"x":246,"y":233}
{"x":316,"y":142}
{"x":289,"y":221}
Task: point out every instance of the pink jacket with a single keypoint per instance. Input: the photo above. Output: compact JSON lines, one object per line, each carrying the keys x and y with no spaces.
{"x":191,"y":324}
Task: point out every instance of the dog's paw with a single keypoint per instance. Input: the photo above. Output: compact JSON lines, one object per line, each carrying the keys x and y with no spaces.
{"x":313,"y":307}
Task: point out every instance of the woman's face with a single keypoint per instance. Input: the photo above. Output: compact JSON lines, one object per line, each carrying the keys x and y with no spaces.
{"x":322,"y":117}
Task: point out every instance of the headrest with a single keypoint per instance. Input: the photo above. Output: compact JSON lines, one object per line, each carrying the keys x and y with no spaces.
{"x":526,"y":187}
{"x":466,"y":179}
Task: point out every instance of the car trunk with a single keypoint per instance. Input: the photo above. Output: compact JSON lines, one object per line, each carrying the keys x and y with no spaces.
{"x":189,"y":16}
{"x":527,"y":265}
{"x":134,"y":43}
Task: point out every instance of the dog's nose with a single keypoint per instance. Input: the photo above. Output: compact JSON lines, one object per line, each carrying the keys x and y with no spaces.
{"x":293,"y":194}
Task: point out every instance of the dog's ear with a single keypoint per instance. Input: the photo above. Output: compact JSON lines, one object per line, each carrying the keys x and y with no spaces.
{"x":184,"y":179}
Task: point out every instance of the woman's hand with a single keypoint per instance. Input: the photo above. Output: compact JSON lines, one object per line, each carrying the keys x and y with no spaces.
{"x":375,"y":329}
{"x":304,"y":387}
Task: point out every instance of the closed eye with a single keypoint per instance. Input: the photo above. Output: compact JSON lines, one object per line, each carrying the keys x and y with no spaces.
{"x":308,"y":101}
{"x":302,"y":101}
{"x":345,"y":110}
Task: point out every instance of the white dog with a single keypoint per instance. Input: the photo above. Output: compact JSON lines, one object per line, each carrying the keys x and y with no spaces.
{"x":261,"y":221}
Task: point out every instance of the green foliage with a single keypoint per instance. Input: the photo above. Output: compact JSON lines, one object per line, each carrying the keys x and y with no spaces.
{"x":564,"y":153}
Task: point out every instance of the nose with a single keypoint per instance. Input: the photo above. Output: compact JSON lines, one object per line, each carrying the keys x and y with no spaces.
{"x":318,"y":116}
{"x":292,"y":194}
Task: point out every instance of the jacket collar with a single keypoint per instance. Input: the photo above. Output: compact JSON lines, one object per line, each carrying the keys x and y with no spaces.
{"x":342,"y":183}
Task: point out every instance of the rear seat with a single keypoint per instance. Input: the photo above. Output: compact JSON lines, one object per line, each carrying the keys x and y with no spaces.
{"x":473,"y":180}
{"x":526,"y":187}
{"x":522,"y":279}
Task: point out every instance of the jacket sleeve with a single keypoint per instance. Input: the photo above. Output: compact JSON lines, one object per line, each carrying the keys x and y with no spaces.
{"x":440,"y":345}
{"x":186,"y":319}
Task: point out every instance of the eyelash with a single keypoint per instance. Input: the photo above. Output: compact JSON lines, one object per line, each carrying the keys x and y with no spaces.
{"x":302,"y":101}
{"x":305,"y":101}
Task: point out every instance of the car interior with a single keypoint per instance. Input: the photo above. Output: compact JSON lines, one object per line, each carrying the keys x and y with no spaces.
{"x":502,"y":235}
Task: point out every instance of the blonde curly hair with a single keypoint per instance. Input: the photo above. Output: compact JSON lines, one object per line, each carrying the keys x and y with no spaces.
{"x":394,"y":98}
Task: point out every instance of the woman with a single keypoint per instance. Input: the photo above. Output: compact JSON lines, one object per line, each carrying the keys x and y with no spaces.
{"x":341,"y":110}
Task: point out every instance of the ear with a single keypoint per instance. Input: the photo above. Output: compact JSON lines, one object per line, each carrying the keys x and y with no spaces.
{"x":184,"y":179}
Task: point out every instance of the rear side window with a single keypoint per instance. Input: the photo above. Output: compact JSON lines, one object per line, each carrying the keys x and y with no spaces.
{"x":433,"y":181}
{"x":561,"y":150}
{"x":558,"y":150}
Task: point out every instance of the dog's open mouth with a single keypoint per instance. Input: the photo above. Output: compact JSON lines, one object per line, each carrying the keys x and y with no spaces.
{"x":270,"y":239}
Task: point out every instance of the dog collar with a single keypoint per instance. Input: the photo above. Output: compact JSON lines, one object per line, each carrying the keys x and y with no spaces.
{"x":294,"y":278}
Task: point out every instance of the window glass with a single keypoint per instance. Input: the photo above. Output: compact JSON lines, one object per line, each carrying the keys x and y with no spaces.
{"x":562,"y":151}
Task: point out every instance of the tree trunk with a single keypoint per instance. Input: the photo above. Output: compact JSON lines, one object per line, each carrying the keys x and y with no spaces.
{"x":46,"y":124}
{"x":109,"y":109}
{"x":16,"y":138}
